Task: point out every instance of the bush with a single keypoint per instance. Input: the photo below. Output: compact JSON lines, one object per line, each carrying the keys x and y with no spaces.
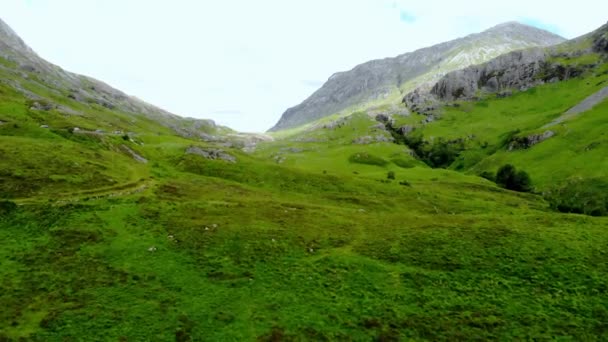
{"x":488,"y":175}
{"x":439,"y":154}
{"x":390,"y":175}
{"x":442,"y":153}
{"x":403,"y":163}
{"x":509,"y":178}
{"x":7,"y":207}
{"x":367,"y":159}
{"x":588,"y":197}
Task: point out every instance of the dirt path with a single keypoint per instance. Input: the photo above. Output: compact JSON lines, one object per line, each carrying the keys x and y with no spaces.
{"x":584,"y":106}
{"x":116,"y":191}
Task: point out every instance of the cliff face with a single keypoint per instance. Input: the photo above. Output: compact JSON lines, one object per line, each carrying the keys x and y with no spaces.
{"x":381,"y":78}
{"x":513,"y":71}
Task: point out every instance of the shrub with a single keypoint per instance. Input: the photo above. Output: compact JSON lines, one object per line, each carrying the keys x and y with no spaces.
{"x":403,"y":163}
{"x":405,"y":183}
{"x":442,"y":153}
{"x":588,"y":197}
{"x":367,"y":159}
{"x":488,"y":175}
{"x":7,"y":207}
{"x":390,"y":175}
{"x":509,"y":178}
{"x":126,"y":137}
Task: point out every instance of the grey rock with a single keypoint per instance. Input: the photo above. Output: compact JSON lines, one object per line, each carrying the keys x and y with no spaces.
{"x":600,"y":40}
{"x":133,"y":154}
{"x":384,"y":118}
{"x":363,"y":140}
{"x":515,"y":70}
{"x":333,"y":124}
{"x":368,"y":139}
{"x":529,"y":141}
{"x":422,"y":101}
{"x":379,"y":126}
{"x":292,"y":150}
{"x":405,"y":130}
{"x":42,"y":106}
{"x":211,"y":153}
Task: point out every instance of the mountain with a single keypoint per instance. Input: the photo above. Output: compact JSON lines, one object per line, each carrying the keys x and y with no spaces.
{"x":25,"y":66}
{"x":519,"y":70}
{"x":380,"y":79}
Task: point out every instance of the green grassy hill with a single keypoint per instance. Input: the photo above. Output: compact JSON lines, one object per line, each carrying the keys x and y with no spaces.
{"x":328,"y":233}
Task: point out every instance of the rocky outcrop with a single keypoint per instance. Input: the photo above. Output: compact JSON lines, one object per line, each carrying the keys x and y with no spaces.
{"x":422,"y":101}
{"x":133,"y":154}
{"x":380,"y":78}
{"x":211,"y":153}
{"x":516,"y":70}
{"x":530,"y":140}
{"x":600,"y":40}
{"x":405,"y":130}
{"x":368,"y":139}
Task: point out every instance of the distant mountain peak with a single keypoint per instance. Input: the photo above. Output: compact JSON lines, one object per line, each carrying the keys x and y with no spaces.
{"x":380,"y":79}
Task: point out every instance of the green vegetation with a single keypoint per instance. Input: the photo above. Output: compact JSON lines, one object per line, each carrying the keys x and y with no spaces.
{"x":509,"y":178}
{"x":366,"y":158}
{"x":308,"y":237}
{"x":588,"y":196}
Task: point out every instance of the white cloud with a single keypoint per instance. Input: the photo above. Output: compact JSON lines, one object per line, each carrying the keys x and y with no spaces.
{"x":244,"y":62}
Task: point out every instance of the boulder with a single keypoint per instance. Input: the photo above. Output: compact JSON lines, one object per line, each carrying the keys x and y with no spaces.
{"x":379,"y":126}
{"x":529,"y":141}
{"x":384,"y":118}
{"x":421,"y":101}
{"x":211,"y":153}
{"x":368,"y":139}
{"x":405,"y":130}
{"x":42,"y":106}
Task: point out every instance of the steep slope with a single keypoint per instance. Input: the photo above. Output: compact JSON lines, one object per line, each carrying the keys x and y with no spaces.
{"x":517,"y":70}
{"x":27,"y":69}
{"x":382,"y":78}
{"x":542,"y":110}
{"x":67,"y":135}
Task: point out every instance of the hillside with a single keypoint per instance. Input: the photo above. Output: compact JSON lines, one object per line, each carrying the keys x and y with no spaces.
{"x":128,"y":230}
{"x":387,"y":78}
{"x":53,"y":88}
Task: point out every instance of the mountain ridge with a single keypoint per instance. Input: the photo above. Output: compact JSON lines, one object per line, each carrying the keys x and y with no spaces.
{"x":85,"y":89}
{"x":380,"y":78}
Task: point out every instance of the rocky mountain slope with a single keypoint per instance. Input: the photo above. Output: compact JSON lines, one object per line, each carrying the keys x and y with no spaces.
{"x":514,"y":71}
{"x":25,"y":66}
{"x":381,"y":78}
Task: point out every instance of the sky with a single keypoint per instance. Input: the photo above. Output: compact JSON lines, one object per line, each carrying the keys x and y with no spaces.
{"x":242,"y":63}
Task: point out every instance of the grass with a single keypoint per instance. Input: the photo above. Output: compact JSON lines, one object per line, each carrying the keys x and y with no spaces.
{"x":297,"y":241}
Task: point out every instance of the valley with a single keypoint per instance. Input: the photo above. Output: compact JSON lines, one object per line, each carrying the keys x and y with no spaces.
{"x":376,"y":223}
